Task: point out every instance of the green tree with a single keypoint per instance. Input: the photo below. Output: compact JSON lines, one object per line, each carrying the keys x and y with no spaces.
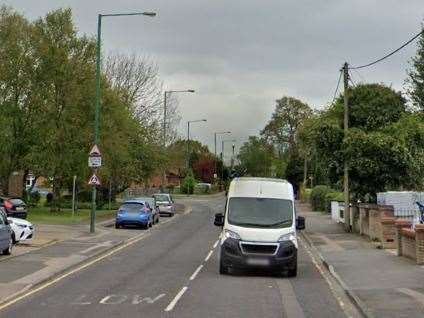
{"x":288,"y":115}
{"x":416,"y":76}
{"x":256,"y":157}
{"x":20,"y":109}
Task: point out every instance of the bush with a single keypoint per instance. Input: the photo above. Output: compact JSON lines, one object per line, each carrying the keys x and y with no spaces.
{"x":332,"y":196}
{"x":34,"y":198}
{"x":318,"y":195}
{"x":187,"y":187}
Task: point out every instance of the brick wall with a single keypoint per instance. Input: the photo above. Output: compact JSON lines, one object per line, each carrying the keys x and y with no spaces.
{"x":409,"y":241}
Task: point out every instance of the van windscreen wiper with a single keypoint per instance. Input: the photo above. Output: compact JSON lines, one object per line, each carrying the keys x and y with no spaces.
{"x":279,"y":223}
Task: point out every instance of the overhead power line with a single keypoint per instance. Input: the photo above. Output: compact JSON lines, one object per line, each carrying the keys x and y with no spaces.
{"x":390,"y":54}
{"x":337,"y":88}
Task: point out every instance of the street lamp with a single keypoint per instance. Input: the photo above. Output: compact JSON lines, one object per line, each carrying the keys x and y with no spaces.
{"x":165,"y":108}
{"x":222,"y":155}
{"x":97,"y":104}
{"x":216,"y":134}
{"x":188,"y":138}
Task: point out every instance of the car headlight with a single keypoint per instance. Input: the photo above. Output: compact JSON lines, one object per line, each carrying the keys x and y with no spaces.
{"x":231,"y":234}
{"x":288,"y":237}
{"x":22,"y":226}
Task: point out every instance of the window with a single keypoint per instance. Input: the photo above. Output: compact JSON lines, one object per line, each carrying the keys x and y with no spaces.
{"x":260,"y":212}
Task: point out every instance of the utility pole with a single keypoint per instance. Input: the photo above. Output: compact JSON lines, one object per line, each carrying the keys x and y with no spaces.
{"x":188,"y":145}
{"x":346,"y":131}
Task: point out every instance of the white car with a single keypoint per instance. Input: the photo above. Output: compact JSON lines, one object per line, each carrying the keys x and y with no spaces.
{"x":22,"y":230}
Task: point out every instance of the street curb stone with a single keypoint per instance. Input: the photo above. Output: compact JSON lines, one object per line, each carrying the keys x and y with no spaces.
{"x":362,"y":307}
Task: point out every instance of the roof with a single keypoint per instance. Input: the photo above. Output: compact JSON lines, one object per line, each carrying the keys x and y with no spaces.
{"x":261,"y":188}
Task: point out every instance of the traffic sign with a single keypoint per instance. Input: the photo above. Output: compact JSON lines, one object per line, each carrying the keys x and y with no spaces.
{"x":95,"y":157}
{"x":94,"y":180}
{"x":95,"y":152}
{"x":94,"y":162}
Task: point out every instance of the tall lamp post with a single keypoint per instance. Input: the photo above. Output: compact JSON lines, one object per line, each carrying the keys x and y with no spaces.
{"x":98,"y":94}
{"x":188,"y":138}
{"x":216,"y":134}
{"x":222,"y":154}
{"x":165,"y":97}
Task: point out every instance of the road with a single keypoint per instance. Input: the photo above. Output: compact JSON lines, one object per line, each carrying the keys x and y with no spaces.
{"x":173,"y":272}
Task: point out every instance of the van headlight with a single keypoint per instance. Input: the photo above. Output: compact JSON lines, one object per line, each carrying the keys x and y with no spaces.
{"x":288,"y":237}
{"x":231,"y":234}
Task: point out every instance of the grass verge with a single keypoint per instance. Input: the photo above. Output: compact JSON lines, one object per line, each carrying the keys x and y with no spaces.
{"x":42,"y":215}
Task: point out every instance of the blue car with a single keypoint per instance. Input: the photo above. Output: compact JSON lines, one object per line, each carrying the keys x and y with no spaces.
{"x":134,"y":213}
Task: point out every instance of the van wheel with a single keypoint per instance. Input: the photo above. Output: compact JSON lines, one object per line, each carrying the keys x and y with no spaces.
{"x":223,"y":270}
{"x":292,"y":272}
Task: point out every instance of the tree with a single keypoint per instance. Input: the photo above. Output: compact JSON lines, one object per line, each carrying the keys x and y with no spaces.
{"x":416,"y":76}
{"x":256,"y":157}
{"x":20,"y":106}
{"x":288,"y":115}
{"x":381,"y":147}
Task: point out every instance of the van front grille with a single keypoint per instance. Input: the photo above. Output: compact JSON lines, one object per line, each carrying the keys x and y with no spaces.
{"x":266,"y":249}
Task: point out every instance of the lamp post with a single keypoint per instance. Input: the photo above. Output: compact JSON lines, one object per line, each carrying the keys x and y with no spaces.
{"x":216,"y":134}
{"x":98,"y":94}
{"x":222,"y":155}
{"x":188,"y":138}
{"x":166,"y":93}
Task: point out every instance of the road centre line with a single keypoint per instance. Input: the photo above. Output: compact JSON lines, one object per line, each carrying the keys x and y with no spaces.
{"x":176,"y":299}
{"x":208,"y":256}
{"x":196,"y":272}
{"x":216,"y":244}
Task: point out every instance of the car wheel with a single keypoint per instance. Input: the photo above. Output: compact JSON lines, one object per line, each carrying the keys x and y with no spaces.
{"x":117,"y":226}
{"x":8,"y":250}
{"x":14,"y":239}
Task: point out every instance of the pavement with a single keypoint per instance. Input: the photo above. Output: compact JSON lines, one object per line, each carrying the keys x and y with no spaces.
{"x":379,"y":282}
{"x":170,"y":270}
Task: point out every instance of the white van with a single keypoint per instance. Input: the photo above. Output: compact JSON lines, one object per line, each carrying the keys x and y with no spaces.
{"x":259,"y":226}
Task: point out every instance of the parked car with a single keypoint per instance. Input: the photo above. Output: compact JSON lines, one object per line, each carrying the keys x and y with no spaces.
{"x":153,"y":207}
{"x":22,"y":230}
{"x":6,"y":241}
{"x":135,"y":213}
{"x":165,"y":203}
{"x":14,"y":207}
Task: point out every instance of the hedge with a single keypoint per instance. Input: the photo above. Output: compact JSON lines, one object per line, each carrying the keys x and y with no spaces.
{"x":318,"y":196}
{"x":332,"y":196}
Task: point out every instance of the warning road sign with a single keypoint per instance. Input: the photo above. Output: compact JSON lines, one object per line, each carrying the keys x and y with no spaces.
{"x":95,"y":152}
{"x":94,"y":180}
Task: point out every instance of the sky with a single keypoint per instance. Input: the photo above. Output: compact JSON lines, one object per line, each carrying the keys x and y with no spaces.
{"x":242,"y":55}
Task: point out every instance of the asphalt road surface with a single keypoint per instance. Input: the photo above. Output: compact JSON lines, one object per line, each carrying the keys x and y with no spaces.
{"x":173,"y":272}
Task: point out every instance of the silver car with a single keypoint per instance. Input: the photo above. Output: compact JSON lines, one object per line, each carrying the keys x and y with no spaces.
{"x":6,"y":241}
{"x":165,"y":203}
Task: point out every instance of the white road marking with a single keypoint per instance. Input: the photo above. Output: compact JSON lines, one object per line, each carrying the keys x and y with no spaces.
{"x":138,"y":300}
{"x":80,"y":301}
{"x":216,"y":244}
{"x":196,"y":272}
{"x":208,"y":256}
{"x":176,"y":299}
{"x":104,"y":244}
{"x":130,"y":242}
{"x":113,"y":300}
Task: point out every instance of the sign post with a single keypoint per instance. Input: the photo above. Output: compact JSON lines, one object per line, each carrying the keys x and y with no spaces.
{"x":94,"y":162}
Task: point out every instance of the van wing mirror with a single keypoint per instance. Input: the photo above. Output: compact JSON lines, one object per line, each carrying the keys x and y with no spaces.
{"x":300,"y":223}
{"x":219,"y":219}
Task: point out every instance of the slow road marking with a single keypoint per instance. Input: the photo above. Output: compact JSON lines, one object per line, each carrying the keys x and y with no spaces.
{"x":176,"y":299}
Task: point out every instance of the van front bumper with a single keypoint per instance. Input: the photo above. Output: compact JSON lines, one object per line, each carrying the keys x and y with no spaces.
{"x":233,"y":256}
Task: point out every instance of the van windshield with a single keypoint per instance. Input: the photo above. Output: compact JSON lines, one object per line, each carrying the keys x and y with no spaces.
{"x":260,"y":212}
